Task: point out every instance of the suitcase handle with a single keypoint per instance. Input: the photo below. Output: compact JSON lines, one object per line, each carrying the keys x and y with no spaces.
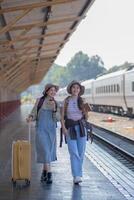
{"x":20,"y":161}
{"x":29,"y":131}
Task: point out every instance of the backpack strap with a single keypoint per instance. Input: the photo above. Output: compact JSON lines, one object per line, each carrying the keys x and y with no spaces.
{"x":56,"y":105}
{"x":66,"y":102}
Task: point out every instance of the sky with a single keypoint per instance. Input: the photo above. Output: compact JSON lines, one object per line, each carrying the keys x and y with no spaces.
{"x":107,"y":30}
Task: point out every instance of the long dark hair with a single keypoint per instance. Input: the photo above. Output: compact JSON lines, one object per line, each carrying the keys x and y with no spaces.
{"x":82,"y":107}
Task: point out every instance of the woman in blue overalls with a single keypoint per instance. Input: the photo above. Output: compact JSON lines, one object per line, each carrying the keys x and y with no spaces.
{"x":73,"y":116}
{"x":46,"y":130}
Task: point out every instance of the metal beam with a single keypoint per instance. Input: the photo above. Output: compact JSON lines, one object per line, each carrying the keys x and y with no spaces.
{"x":32,"y":37}
{"x":34,"y":5}
{"x":8,"y":26}
{"x":50,"y":22}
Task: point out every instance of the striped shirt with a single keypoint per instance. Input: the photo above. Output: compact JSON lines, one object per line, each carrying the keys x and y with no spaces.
{"x":73,"y":111}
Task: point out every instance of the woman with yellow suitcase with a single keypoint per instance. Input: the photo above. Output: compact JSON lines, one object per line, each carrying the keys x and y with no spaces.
{"x":46,"y":112}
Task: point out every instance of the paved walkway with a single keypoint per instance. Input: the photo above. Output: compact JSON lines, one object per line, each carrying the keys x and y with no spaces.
{"x":95,"y":185}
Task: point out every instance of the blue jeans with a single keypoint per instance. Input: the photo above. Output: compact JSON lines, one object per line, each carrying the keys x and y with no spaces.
{"x":76,"y":150}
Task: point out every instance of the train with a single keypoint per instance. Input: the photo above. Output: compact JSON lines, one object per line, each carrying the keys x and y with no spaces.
{"x":110,"y":93}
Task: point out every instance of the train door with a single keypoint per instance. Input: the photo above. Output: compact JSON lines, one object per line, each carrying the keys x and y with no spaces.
{"x":129,"y":91}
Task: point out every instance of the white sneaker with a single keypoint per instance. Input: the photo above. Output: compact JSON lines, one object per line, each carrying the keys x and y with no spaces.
{"x":77,"y":180}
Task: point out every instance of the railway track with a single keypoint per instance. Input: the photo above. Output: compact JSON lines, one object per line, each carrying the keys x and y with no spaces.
{"x":118,"y":143}
{"x":114,"y":160}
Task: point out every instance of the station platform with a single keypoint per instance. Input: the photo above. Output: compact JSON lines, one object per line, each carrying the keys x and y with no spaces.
{"x":95,"y":185}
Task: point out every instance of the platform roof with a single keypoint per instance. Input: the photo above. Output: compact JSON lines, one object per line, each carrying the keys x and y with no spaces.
{"x":32,"y":34}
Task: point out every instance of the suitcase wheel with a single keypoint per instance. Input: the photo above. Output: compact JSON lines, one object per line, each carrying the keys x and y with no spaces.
{"x":14,"y":182}
{"x":27,"y":181}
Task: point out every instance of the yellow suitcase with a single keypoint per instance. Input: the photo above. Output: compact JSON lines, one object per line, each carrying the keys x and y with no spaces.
{"x":21,"y":160}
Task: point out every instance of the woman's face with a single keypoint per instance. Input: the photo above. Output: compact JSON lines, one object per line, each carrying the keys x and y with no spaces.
{"x":51,"y":92}
{"x":75,"y":90}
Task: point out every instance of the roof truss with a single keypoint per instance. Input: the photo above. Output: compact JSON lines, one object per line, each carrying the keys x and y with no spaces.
{"x":33,"y":34}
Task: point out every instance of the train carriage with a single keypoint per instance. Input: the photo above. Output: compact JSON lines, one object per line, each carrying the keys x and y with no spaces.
{"x":111,"y":93}
{"x":108,"y":93}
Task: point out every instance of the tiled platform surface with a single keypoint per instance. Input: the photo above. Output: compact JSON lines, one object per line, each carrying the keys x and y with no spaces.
{"x":95,"y":185}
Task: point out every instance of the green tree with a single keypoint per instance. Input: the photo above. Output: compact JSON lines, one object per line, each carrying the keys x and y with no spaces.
{"x":82,"y":67}
{"x":115,"y":68}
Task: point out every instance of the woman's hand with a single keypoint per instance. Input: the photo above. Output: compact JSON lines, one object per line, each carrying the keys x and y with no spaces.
{"x":86,"y":107}
{"x":64,"y":130}
{"x":52,"y":103}
{"x":29,"y":119}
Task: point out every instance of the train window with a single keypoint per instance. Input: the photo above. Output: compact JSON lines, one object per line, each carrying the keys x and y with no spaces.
{"x":133,"y":86}
{"x":118,"y":88}
{"x":102,"y":89}
{"x":106,"y":89}
{"x":114,"y":88}
{"x":111,"y":88}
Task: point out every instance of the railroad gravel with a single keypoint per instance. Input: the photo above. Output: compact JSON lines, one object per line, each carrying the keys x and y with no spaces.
{"x":121,"y":125}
